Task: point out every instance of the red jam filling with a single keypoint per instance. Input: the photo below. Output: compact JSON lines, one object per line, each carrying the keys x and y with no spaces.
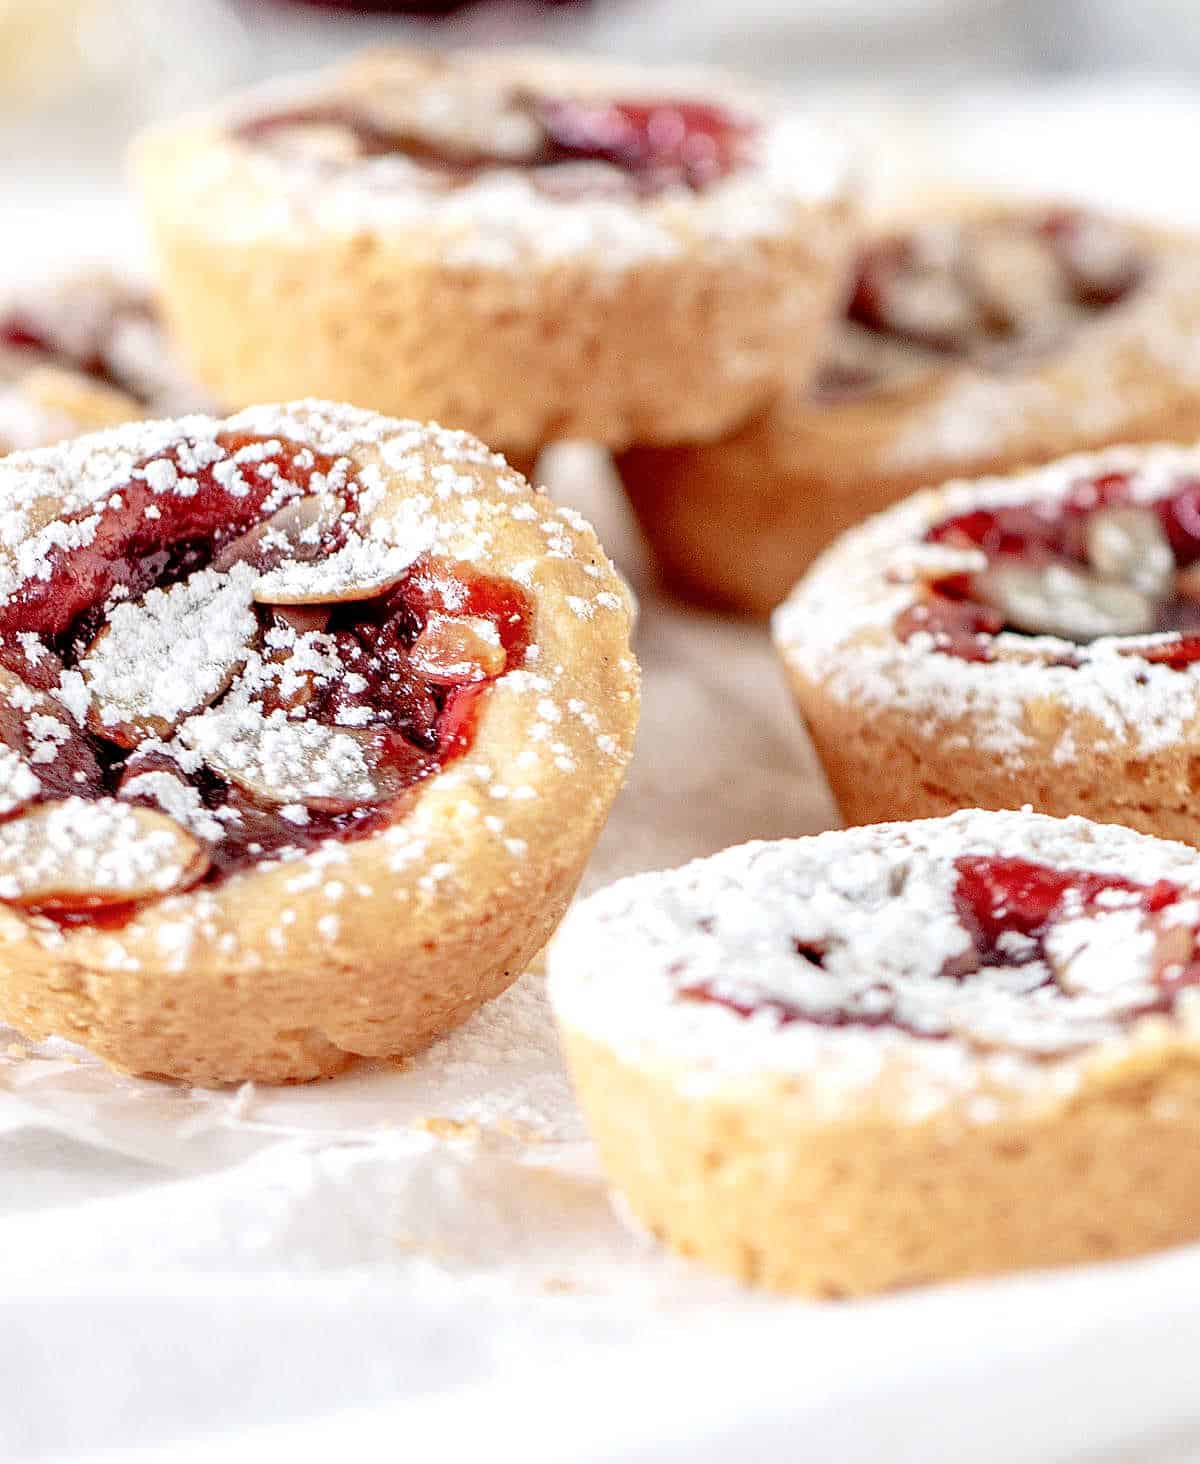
{"x":414,"y":719}
{"x":995,"y":293}
{"x":963,"y":612}
{"x":995,"y":897}
{"x":656,"y":144}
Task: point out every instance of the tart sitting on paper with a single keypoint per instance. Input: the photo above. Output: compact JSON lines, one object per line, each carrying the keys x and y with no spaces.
{"x":308,"y":721}
{"x":899,"y":1054}
{"x":531,"y":246}
{"x":1031,"y":639}
{"x":975,"y":342}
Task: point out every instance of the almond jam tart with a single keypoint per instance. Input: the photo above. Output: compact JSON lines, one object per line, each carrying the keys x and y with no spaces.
{"x":978,"y":342}
{"x":1032,"y":639}
{"x":870,"y":1051}
{"x":233,"y":649}
{"x":531,"y":245}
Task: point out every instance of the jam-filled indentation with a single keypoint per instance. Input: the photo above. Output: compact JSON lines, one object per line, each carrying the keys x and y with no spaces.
{"x":1011,"y":910}
{"x":1097,"y":562}
{"x":996,"y":293}
{"x":218,"y":659}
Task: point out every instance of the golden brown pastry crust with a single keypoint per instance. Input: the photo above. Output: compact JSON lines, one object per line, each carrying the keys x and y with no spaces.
{"x":805,"y":1169}
{"x":749,"y":1183}
{"x":286,"y":971}
{"x":521,"y":318}
{"x":734,"y":523}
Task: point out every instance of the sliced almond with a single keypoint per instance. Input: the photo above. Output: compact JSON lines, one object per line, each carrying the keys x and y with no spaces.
{"x":83,"y":855}
{"x":322,"y":142}
{"x":298,"y":530}
{"x":164,"y":657}
{"x":303,"y":619}
{"x":452,"y":649}
{"x":1058,"y":600}
{"x":166,"y":788}
{"x":1018,"y":280}
{"x":360,"y":570}
{"x":476,"y":122}
{"x":276,"y":760}
{"x":932,"y":306}
{"x":19,"y":784}
{"x":1102,"y":260}
{"x":1131,"y":545}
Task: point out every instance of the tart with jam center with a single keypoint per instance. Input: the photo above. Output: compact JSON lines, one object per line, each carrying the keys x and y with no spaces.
{"x":309,"y":719}
{"x":900,"y":1054}
{"x":84,"y":353}
{"x":974,"y":342}
{"x":526,"y":245}
{"x":1025,"y":640}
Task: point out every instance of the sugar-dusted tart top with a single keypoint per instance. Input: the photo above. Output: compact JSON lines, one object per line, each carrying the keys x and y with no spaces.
{"x":997,"y":291}
{"x":1074,"y":583}
{"x":510,"y":154}
{"x":982,"y":948}
{"x":225,"y":644}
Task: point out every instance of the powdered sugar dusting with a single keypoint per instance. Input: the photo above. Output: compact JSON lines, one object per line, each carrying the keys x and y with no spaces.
{"x":837,"y":627}
{"x":218,"y":722}
{"x":173,"y":651}
{"x":879,"y":903}
{"x":77,"y":852}
{"x":502,"y":216}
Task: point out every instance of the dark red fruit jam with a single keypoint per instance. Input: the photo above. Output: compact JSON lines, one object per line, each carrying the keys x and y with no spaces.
{"x":1042,"y":534}
{"x":415,"y":724}
{"x":784,"y":1013}
{"x":995,"y":897}
{"x":657,"y":144}
{"x":998,"y":896}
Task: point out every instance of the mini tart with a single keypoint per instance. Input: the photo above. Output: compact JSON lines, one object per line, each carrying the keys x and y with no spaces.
{"x":1030,"y":639}
{"x":524,"y":245}
{"x":308,"y":722}
{"x":84,"y":353}
{"x":979,"y":342}
{"x":899,"y":1054}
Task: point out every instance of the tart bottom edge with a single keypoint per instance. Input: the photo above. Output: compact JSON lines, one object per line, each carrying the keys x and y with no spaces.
{"x":830,"y":1208}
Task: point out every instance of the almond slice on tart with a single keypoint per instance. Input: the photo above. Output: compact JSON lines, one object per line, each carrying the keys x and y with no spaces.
{"x":283,"y":729}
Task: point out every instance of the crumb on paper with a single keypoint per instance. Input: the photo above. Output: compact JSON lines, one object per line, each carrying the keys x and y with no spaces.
{"x":450,"y":1128}
{"x":561,"y":1286}
{"x":524,"y":1133}
{"x":410,"y":1244}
